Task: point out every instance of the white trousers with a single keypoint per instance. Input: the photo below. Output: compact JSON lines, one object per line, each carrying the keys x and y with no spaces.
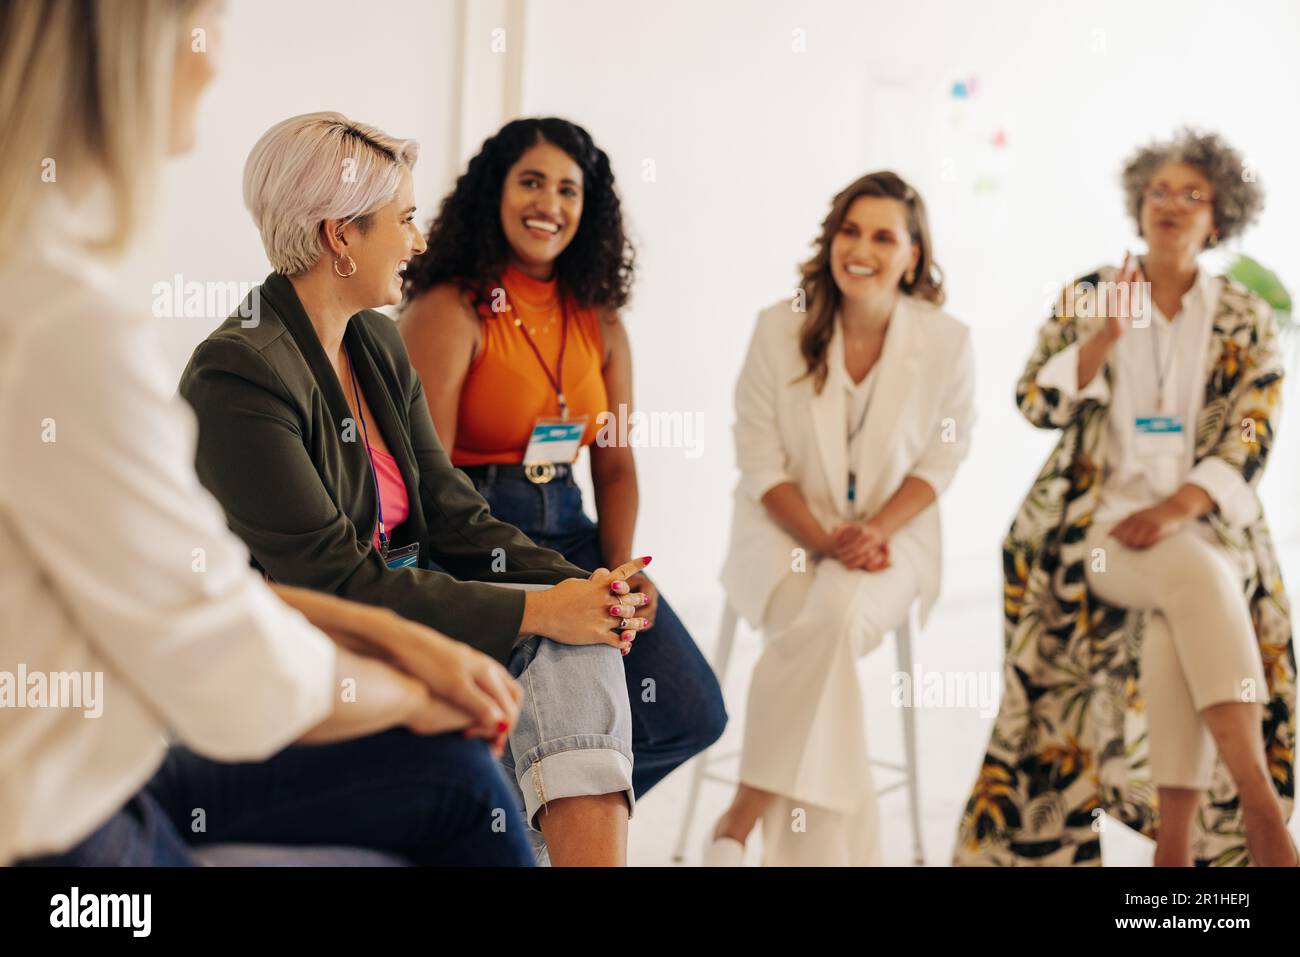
{"x":805,"y":739}
{"x":1199,"y":648}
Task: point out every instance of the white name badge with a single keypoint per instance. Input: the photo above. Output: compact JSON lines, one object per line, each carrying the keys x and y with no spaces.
{"x":1159,"y":435}
{"x":555,"y":440}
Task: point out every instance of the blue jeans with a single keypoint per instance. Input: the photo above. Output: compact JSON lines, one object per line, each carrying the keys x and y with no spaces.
{"x":574,"y":734}
{"x":437,"y":800}
{"x":677,"y":707}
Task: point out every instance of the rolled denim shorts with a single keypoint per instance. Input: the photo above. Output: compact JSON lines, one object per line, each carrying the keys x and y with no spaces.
{"x":574,"y":733}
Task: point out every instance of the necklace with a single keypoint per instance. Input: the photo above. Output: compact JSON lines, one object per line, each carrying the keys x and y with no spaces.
{"x":556,"y":380}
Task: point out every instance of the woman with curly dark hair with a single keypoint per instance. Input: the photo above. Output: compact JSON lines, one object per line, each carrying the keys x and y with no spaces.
{"x":1149,"y":670}
{"x":512,"y":320}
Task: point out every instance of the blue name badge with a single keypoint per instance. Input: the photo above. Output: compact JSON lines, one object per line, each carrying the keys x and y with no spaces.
{"x":555,"y":440}
{"x":1158,"y":424}
{"x":1159,"y":436}
{"x":407,"y":556}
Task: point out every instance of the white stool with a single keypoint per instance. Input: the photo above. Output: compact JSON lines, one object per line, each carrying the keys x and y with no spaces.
{"x":909,"y":780}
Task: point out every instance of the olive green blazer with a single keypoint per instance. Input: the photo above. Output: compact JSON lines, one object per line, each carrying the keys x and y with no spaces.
{"x":278,"y":449}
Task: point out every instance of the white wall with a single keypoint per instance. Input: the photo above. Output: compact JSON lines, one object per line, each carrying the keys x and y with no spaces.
{"x":390,"y":63}
{"x":750,"y":139}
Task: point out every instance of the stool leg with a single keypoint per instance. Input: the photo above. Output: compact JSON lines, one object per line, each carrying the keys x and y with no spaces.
{"x":726,"y":639}
{"x":903,"y":636}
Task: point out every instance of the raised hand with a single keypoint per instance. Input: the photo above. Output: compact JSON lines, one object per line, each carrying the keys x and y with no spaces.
{"x":1130,"y":299}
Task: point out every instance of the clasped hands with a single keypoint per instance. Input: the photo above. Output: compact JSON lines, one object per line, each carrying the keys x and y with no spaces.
{"x":577,"y":611}
{"x":860,"y":545}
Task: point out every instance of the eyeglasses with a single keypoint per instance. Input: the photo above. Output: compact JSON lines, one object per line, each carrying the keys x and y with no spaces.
{"x":1190,"y":198}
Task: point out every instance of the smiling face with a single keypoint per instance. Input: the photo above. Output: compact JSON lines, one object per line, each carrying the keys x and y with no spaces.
{"x":872,"y":249}
{"x":541,"y":207}
{"x":383,"y":247}
{"x":1178,"y":209}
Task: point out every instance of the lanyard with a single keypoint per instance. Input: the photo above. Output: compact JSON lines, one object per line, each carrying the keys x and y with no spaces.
{"x":853,"y":433}
{"x":557,"y":380}
{"x":1163,"y":366}
{"x":374,"y":476}
{"x":871,"y":389}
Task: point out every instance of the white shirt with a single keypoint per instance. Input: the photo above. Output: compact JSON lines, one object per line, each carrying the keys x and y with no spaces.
{"x":1133,"y":480}
{"x":857,"y":396}
{"x":115,"y":561}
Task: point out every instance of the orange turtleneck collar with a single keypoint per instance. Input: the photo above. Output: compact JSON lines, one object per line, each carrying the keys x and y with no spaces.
{"x":533,"y":294}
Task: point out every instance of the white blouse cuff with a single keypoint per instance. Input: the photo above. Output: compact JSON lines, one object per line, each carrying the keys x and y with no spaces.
{"x":1237,"y":501}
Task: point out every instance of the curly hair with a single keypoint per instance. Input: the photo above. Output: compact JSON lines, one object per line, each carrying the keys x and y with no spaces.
{"x":467,"y":246}
{"x":1238,"y":197}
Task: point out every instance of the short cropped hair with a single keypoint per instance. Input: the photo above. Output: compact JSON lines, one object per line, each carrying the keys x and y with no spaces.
{"x":314,"y":167}
{"x":1238,"y":197}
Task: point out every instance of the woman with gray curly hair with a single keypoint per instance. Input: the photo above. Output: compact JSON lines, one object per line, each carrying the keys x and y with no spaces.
{"x":1146,"y":622}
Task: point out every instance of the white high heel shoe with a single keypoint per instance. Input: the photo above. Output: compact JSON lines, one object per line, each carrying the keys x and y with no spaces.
{"x":723,"y":852}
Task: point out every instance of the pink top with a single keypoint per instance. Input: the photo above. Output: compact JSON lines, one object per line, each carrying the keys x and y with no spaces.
{"x":392,"y":492}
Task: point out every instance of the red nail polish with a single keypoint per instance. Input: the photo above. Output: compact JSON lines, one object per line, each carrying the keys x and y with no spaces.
{"x":625,"y":651}
{"x":616,"y":611}
{"x":645,"y":561}
{"x":502,"y":727}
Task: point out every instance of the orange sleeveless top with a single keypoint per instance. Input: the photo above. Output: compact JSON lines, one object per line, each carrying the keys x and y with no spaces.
{"x":507,"y":390}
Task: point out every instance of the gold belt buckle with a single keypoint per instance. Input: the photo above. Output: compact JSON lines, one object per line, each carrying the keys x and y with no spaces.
{"x":539,"y":473}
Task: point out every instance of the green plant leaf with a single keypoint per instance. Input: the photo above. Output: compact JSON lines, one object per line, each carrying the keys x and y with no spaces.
{"x":1264,"y":283}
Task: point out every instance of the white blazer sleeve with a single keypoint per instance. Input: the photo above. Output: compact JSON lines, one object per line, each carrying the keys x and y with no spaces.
{"x":98,"y":481}
{"x":951,"y":436}
{"x":760,"y":454}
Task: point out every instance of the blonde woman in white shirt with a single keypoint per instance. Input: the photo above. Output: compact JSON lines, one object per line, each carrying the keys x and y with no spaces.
{"x":117,"y":571}
{"x":851,"y":419}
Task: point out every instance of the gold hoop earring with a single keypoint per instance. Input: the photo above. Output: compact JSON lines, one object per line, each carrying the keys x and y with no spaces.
{"x":351,"y":262}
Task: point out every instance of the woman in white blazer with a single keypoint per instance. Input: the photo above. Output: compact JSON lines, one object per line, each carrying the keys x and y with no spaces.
{"x":853,"y":411}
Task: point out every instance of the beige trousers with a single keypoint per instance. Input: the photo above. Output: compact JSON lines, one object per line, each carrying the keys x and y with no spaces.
{"x":805,"y":739}
{"x":1199,"y":648}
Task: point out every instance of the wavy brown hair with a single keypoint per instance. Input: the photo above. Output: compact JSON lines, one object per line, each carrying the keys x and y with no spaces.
{"x":821,"y":295}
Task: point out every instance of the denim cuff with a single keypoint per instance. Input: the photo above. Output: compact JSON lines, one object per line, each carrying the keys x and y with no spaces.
{"x":574,"y":766}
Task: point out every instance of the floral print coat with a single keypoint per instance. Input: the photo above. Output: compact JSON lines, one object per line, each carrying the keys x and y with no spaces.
{"x":1069,"y":745}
